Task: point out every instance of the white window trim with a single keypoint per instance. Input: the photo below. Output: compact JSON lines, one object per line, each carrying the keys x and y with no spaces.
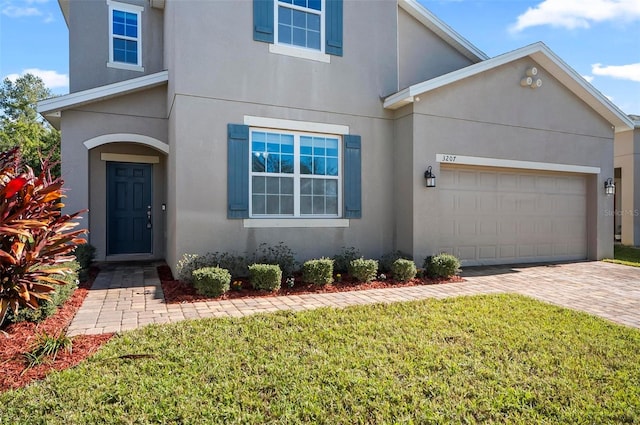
{"x":130,"y":8}
{"x":257,"y":223}
{"x":292,"y":125}
{"x":297,"y":176}
{"x":298,"y":51}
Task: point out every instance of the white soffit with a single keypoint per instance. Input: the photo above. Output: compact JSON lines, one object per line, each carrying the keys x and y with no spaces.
{"x":54,"y":105}
{"x":542,"y":55}
{"x":431,"y":21}
{"x":453,"y":159}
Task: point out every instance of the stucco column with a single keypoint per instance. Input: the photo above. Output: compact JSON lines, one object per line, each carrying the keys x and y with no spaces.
{"x":75,"y":173}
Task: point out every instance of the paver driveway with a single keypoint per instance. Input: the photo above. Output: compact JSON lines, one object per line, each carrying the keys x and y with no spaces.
{"x":126,"y":296}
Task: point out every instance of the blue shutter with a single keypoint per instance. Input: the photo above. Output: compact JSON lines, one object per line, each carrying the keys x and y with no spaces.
{"x":352,"y":177}
{"x":263,"y":20}
{"x":333,"y":21}
{"x":237,"y":171}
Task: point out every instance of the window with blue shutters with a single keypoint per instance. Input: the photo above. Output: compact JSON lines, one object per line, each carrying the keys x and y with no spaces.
{"x":125,"y":36}
{"x":313,"y":25}
{"x":292,"y":174}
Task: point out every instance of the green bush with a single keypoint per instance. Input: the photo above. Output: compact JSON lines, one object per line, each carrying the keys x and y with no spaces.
{"x":385,"y":263}
{"x":47,"y":308}
{"x":211,"y":281}
{"x":265,"y":276}
{"x":363,"y":270}
{"x":85,"y":254}
{"x":318,"y":272}
{"x":341,"y":261}
{"x":279,"y":254}
{"x":441,"y":265}
{"x":234,"y":263}
{"x":403,"y":270}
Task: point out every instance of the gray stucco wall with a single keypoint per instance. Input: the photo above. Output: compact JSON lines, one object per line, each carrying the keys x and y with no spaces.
{"x":422,"y":54}
{"x":490,"y":115}
{"x":89,"y":44}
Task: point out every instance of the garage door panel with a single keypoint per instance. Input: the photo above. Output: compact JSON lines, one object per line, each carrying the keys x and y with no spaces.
{"x":508,"y":216}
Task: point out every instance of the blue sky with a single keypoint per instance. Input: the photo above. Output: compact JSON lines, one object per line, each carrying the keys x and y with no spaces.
{"x":600,"y":39}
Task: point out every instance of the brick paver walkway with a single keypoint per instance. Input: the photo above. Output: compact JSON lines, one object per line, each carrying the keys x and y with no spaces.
{"x":127,"y":296}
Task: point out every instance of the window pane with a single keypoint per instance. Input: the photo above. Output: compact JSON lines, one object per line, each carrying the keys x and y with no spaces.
{"x":286,"y":205}
{"x":306,"y":205}
{"x":331,"y":187}
{"x":118,"y":29}
{"x":273,"y":185}
{"x":306,"y":186}
{"x":258,"y":205}
{"x":301,"y":3}
{"x":332,"y":167}
{"x":318,"y":146}
{"x":315,"y":4}
{"x":332,"y":206}
{"x":286,"y":164}
{"x":273,"y":204}
{"x":318,"y":187}
{"x":313,"y":40}
{"x":258,"y":184}
{"x":332,"y":147}
{"x":284,"y":34}
{"x":318,"y":204}
{"x":118,"y":16}
{"x":286,"y":185}
{"x":318,"y":166}
{"x":299,"y":19}
{"x":306,"y":145}
{"x":306,"y":164}
{"x":313,"y":22}
{"x":257,"y":163}
{"x":119,"y":55}
{"x":299,"y":37}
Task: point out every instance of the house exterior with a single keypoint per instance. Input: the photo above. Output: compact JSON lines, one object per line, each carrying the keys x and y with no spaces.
{"x":626,"y":212}
{"x":203,"y":126}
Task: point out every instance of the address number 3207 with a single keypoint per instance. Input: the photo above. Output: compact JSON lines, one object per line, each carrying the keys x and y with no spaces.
{"x":448,"y":158}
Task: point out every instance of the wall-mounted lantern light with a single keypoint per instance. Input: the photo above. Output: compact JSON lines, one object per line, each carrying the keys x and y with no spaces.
{"x":430,"y":177}
{"x":609,"y":187}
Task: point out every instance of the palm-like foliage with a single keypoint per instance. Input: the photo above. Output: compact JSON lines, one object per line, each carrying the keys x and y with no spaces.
{"x":33,"y":233}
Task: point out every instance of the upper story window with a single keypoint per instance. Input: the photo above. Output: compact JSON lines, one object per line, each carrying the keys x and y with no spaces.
{"x":125,"y":36}
{"x":307,"y":29}
{"x":300,"y":23}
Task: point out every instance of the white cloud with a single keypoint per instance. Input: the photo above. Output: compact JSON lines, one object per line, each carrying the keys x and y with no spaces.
{"x":51,"y":79}
{"x":589,"y":78}
{"x":13,"y":11}
{"x":573,"y":14}
{"x":629,"y":72}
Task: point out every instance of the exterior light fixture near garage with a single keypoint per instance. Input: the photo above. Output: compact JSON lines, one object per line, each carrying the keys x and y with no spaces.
{"x":609,"y":187}
{"x":430,"y":177}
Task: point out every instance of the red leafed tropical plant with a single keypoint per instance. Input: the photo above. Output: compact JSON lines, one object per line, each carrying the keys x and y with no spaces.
{"x":35,"y":236}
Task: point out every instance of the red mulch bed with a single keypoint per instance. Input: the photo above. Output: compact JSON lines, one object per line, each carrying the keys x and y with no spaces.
{"x":20,"y":337}
{"x":176,"y":291}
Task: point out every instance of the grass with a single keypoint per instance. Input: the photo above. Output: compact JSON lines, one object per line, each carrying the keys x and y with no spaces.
{"x":489,"y":359}
{"x":626,"y":255}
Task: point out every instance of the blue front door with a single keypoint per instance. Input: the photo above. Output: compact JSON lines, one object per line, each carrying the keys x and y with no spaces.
{"x":129,"y":224}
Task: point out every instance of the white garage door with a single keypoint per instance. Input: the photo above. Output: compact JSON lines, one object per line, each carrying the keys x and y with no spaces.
{"x":501,"y":216}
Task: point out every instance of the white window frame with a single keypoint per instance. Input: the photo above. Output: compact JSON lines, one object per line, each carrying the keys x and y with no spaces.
{"x":298,"y":51}
{"x":296,"y":175}
{"x":129,"y":8}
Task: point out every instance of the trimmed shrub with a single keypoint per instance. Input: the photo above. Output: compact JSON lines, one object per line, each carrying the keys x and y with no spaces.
{"x":403,"y":270}
{"x":341,"y":261}
{"x":279,"y":254}
{"x":318,"y":272}
{"x":211,"y":281}
{"x":385,"y":263}
{"x":265,"y":276}
{"x":85,"y":254}
{"x":234,"y":263}
{"x":441,"y":265}
{"x":363,"y":270}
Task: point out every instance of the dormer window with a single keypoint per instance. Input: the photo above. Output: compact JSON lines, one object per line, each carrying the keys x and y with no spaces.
{"x":300,"y":23}
{"x":125,"y":36}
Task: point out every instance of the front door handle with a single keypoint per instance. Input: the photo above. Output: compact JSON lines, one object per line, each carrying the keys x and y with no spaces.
{"x":149,"y":225}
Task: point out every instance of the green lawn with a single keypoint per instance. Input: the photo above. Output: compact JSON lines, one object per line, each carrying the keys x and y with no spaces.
{"x":490,"y":359}
{"x":627,"y":255}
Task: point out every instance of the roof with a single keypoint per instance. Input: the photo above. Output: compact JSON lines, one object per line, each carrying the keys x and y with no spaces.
{"x":51,"y":108}
{"x":541,"y":54}
{"x":444,"y":31}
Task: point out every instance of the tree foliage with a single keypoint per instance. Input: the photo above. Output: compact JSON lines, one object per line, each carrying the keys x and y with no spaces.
{"x":34,"y":234}
{"x":20,"y":124}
